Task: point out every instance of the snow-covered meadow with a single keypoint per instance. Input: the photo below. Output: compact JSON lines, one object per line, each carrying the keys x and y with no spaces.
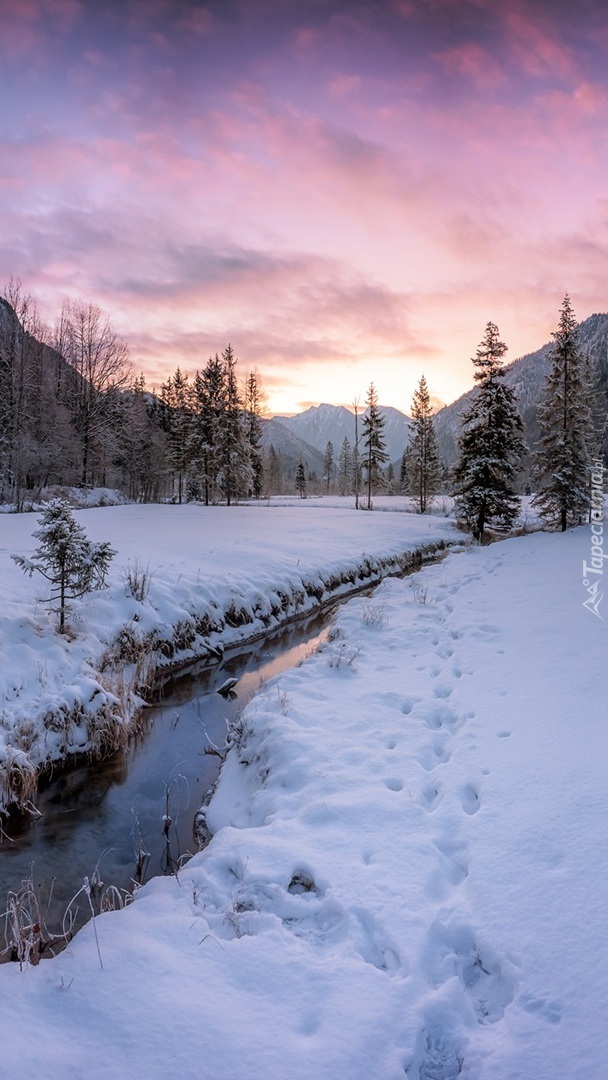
{"x":216,"y":576}
{"x":407,"y":874}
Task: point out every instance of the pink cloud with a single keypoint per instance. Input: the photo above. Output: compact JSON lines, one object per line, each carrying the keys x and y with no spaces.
{"x":536,"y":47}
{"x":475,"y":63}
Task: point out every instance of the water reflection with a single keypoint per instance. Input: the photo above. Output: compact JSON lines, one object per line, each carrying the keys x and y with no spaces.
{"x":131,"y":815}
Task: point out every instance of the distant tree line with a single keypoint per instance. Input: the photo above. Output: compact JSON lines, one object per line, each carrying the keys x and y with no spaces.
{"x":73,"y":412}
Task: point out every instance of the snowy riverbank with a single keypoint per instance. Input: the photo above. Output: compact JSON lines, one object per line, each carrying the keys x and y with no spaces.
{"x":217,"y":576}
{"x":405,"y":877}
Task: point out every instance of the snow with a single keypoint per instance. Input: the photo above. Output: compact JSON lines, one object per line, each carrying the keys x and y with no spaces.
{"x":407,"y":873}
{"x":217,"y":575}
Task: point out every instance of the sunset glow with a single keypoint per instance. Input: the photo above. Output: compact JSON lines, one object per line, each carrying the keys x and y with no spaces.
{"x":344,"y":191}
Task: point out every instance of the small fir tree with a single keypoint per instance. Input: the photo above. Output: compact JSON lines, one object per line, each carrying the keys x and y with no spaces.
{"x":404,"y":482}
{"x":373,"y":441}
{"x":423,"y":464}
{"x":345,"y":467}
{"x":300,"y":481}
{"x":72,"y":564}
{"x":253,"y":432}
{"x":563,"y":459}
{"x":328,"y":465}
{"x":490,"y":444}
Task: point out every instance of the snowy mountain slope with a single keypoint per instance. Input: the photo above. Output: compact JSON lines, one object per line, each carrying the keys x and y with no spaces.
{"x":291,"y":447}
{"x":333,"y":423}
{"x":527,"y":377}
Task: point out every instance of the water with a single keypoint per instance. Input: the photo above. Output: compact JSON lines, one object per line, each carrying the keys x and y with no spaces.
{"x":106,"y":815}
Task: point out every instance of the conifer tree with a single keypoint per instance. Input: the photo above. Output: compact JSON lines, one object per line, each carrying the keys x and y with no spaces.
{"x":235,"y":473}
{"x":300,"y":481}
{"x":373,"y":442}
{"x":563,"y":461}
{"x":253,"y":432}
{"x":423,"y":464}
{"x":177,"y":398}
{"x":345,"y":467}
{"x":209,"y":404}
{"x":490,"y":444}
{"x":328,"y":465}
{"x":72,"y":564}
{"x":403,"y":476}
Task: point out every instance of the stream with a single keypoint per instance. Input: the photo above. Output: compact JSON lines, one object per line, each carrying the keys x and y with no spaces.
{"x":110,"y":819}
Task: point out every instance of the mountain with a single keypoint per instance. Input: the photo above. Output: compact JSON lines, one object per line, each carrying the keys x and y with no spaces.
{"x":291,"y":449}
{"x":527,"y":376}
{"x":333,"y":423}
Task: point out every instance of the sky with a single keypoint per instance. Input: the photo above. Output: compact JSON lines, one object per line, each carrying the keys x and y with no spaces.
{"x":345,"y":192}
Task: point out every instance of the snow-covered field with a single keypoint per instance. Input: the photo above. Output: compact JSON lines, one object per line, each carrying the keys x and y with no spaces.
{"x":216,"y":575}
{"x":407,"y":875}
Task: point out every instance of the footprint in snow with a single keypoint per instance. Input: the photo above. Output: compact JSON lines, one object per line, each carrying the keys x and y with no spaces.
{"x":430,"y":797}
{"x":393,"y":783}
{"x":454,"y":949}
{"x":374,"y":945}
{"x":435,"y":754}
{"x":443,"y":690}
{"x":469,"y":799}
{"x":439,"y":1051}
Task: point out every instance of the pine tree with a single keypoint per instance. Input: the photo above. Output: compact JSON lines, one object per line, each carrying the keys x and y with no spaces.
{"x":328,"y":465}
{"x":373,"y":441}
{"x":345,"y":467}
{"x":176,"y":396}
{"x":66,"y":558}
{"x":300,"y":481}
{"x":235,"y":473}
{"x":490,"y":444}
{"x":423,"y":464}
{"x":209,"y":405}
{"x":563,"y":462}
{"x":253,"y":432}
{"x":404,"y":482}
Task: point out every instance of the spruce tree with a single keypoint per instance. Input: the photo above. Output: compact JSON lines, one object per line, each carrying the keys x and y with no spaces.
{"x":235,"y":473}
{"x":404,"y":482}
{"x":490,"y":444}
{"x":373,"y":442}
{"x":562,"y":470}
{"x":253,"y":432}
{"x":300,"y":481}
{"x":328,"y":465}
{"x":345,"y":468}
{"x":177,"y":399}
{"x":72,"y":564}
{"x":423,"y":464}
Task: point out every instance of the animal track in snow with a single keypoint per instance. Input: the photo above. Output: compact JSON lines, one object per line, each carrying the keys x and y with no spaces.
{"x":444,"y":652}
{"x":453,"y":854}
{"x":442,"y":716}
{"x":438,"y":1054}
{"x":393,"y":783}
{"x":408,"y":704}
{"x":443,"y":690}
{"x":430,"y":797}
{"x":435,"y":754}
{"x":469,"y":799}
{"x":503,"y":734}
{"x":453,"y":949}
{"x":374,"y":945}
